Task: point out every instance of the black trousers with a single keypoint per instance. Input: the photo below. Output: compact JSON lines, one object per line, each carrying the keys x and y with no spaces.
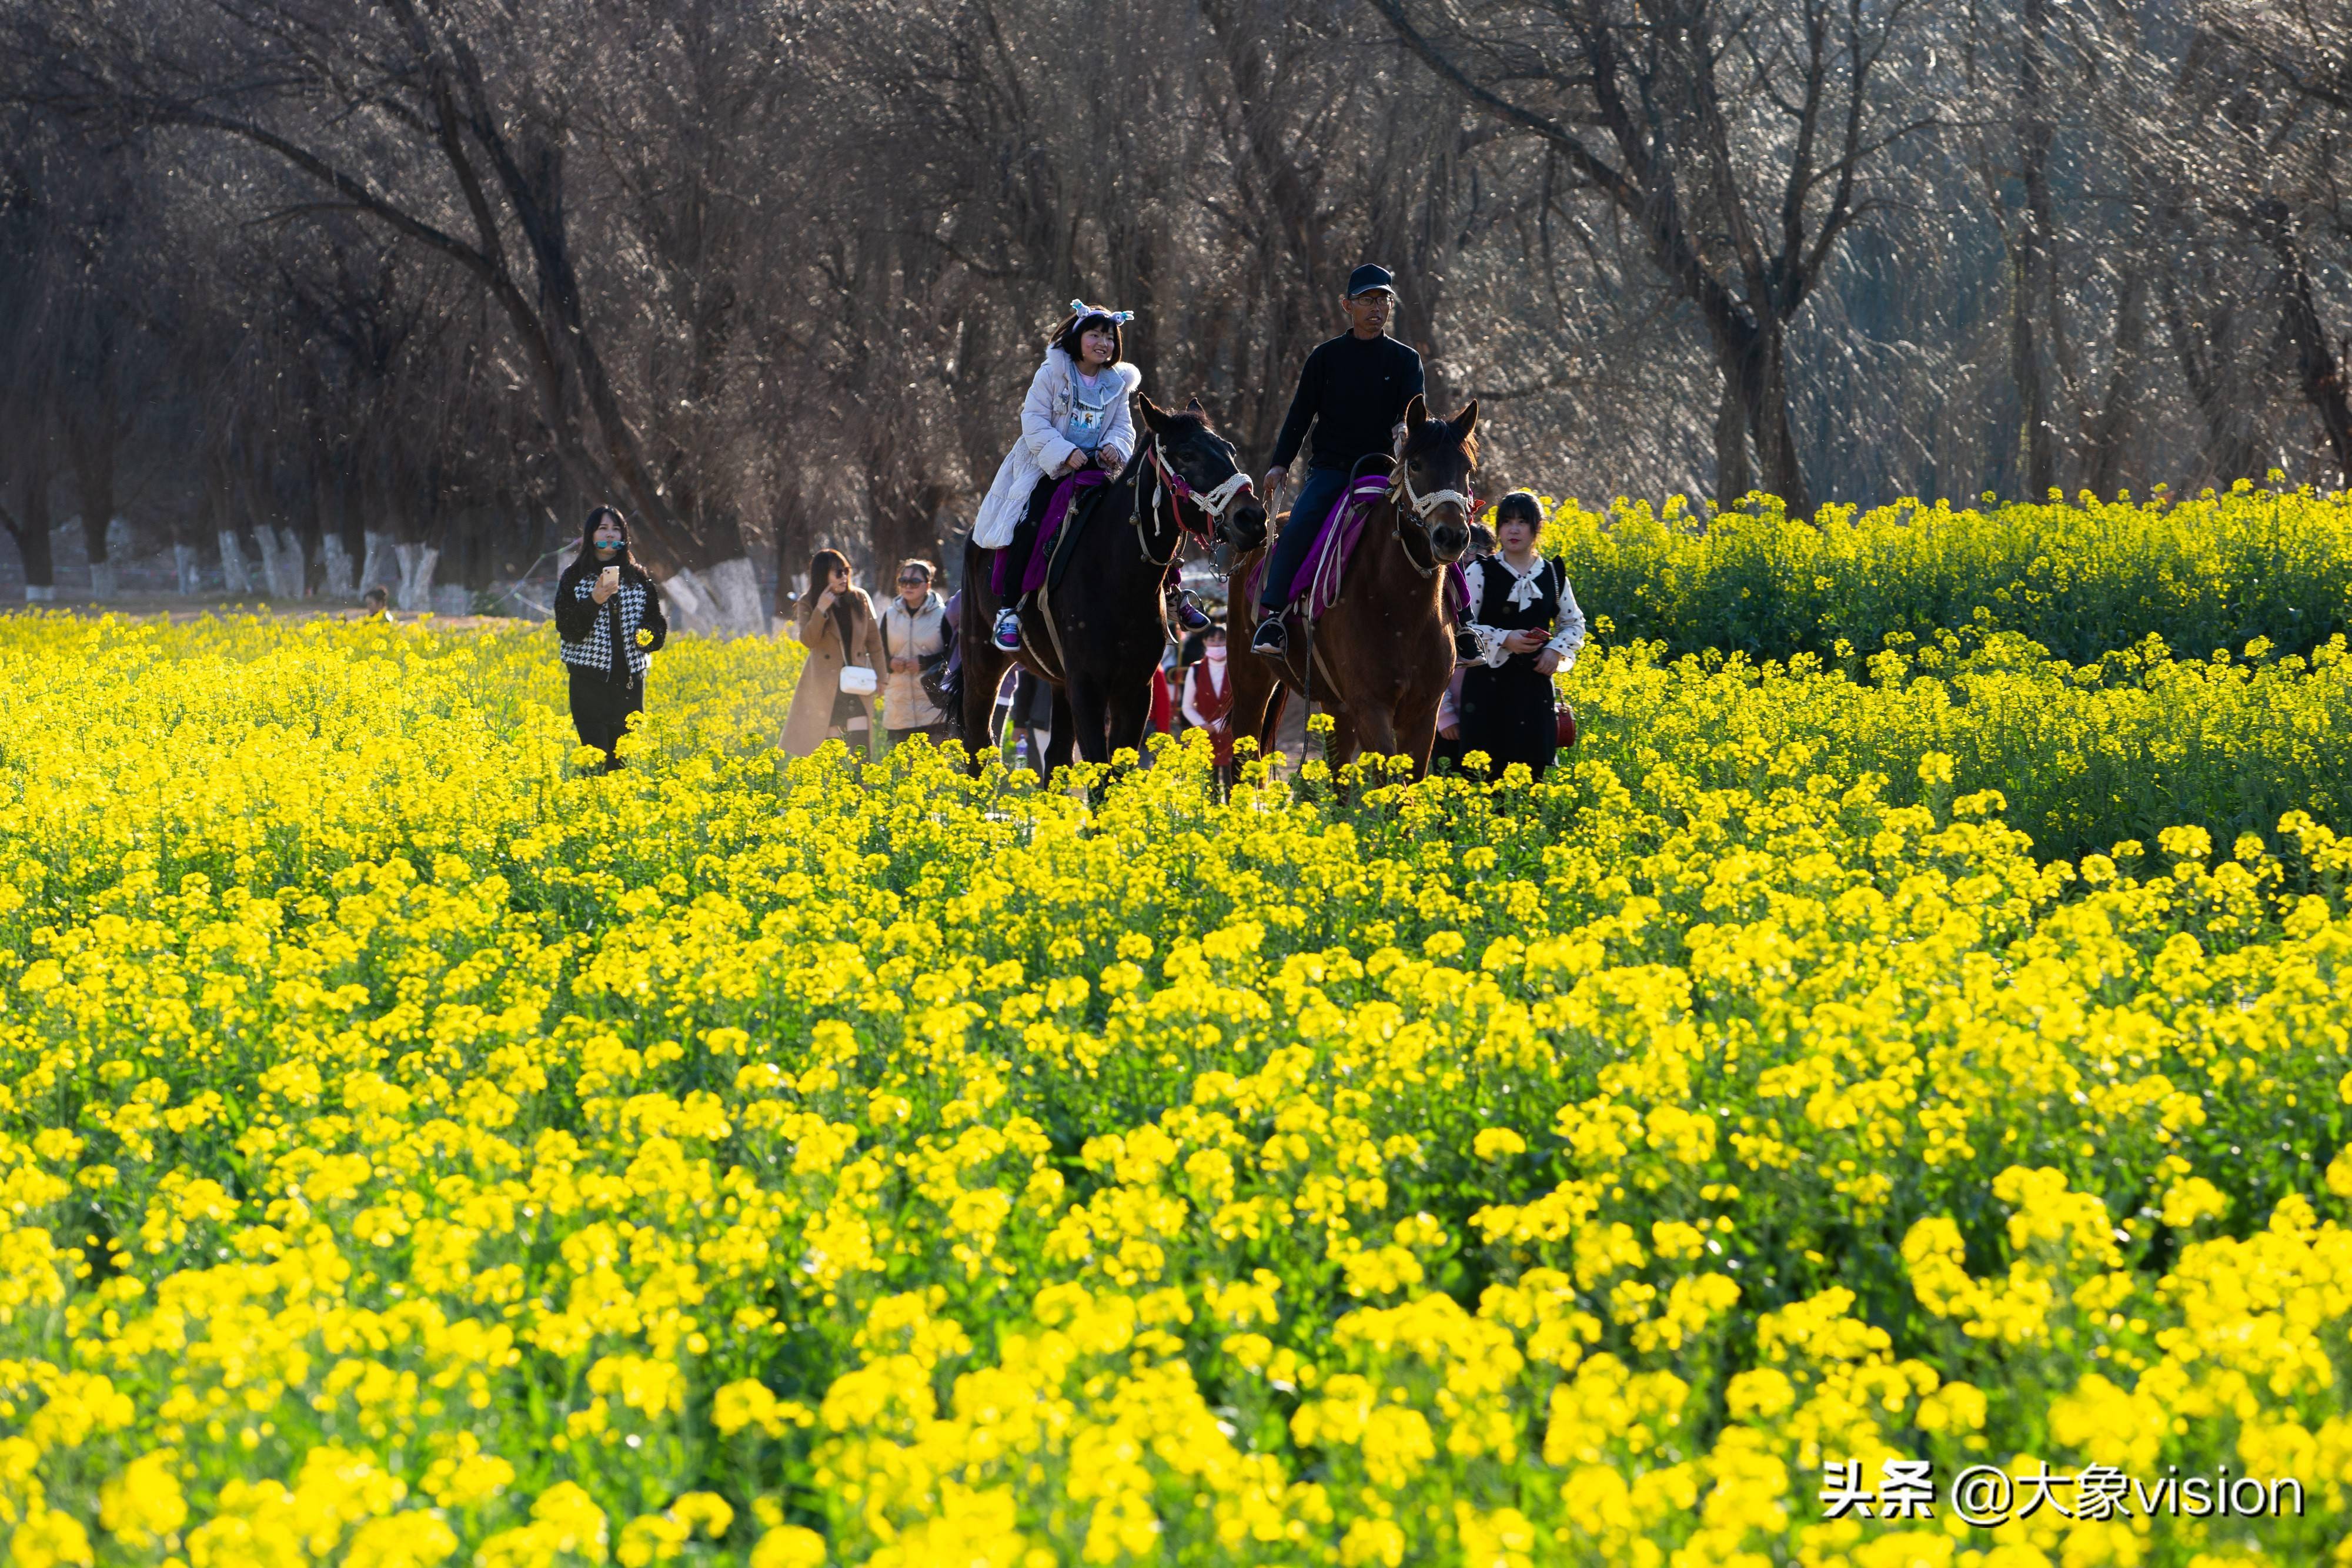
{"x":600,"y":710}
{"x":1024,"y":534}
{"x":1312,"y":505}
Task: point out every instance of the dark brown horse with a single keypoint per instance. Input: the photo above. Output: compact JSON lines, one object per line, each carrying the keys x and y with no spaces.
{"x":1380,"y":656}
{"x":1098,"y":632}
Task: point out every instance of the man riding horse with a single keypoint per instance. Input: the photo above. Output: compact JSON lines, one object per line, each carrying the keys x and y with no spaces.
{"x":1354,"y":390}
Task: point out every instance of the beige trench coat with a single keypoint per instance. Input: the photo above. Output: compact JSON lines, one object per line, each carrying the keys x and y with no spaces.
{"x":812,"y":711}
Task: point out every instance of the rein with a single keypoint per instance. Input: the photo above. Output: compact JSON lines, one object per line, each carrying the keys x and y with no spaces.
{"x":1213,"y":505}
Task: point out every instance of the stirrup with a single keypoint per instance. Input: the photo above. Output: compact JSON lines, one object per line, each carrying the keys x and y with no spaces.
{"x":1007,"y":635}
{"x":1271,"y":638}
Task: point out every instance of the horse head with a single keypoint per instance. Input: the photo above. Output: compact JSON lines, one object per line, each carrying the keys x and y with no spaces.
{"x":1439,"y":455}
{"x":1204,"y":470}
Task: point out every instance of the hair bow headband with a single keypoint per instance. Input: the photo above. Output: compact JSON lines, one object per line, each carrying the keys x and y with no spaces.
{"x":1081,"y":310}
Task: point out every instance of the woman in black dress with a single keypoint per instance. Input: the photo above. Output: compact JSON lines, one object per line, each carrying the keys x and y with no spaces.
{"x":1524,"y":618}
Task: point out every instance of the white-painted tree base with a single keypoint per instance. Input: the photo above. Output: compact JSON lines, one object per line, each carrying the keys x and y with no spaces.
{"x":235,"y":577}
{"x":40,"y":592}
{"x":725,"y":601}
{"x":380,"y":568}
{"x":741,"y":605}
{"x":102,"y":580}
{"x":416,"y":564}
{"x":273,"y":568}
{"x":295,"y":580}
{"x":187,"y":565}
{"x":335,"y":567}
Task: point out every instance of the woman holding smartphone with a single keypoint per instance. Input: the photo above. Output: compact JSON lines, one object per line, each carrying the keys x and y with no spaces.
{"x":609,"y":616}
{"x":1525,"y":624}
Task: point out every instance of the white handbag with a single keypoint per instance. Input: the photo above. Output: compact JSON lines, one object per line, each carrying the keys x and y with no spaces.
{"x":857,"y":681}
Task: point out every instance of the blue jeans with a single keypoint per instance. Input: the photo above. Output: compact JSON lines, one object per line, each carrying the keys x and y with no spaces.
{"x":1316,"y":500}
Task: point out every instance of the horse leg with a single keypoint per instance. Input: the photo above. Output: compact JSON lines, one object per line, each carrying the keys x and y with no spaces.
{"x":1129,"y":711}
{"x":1374,"y":732}
{"x":1057,"y":744}
{"x":983,"y":663}
{"x":1085,"y":704}
{"x":983,"y":670}
{"x":1416,"y":732}
{"x":1257,"y":699}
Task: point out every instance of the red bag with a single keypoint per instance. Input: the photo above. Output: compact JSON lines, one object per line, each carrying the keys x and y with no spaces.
{"x":1563,"y":724}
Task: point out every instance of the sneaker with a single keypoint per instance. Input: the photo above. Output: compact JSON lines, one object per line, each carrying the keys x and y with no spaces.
{"x":1008,"y":630}
{"x":1189,"y":615}
{"x":1271,"y":638}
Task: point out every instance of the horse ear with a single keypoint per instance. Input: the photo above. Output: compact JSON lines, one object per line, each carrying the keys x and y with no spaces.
{"x":1155,"y":418}
{"x":1193,"y":405}
{"x":1466,"y":421}
{"x":1416,"y":415}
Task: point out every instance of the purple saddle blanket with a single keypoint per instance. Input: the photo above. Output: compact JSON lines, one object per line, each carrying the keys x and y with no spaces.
{"x":1326,"y":565}
{"x":1049,"y":527}
{"x":1327,"y":559}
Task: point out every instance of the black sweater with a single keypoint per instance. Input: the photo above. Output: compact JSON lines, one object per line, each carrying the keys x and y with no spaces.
{"x":1354,"y":390}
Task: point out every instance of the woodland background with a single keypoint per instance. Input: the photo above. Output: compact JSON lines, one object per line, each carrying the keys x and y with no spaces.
{"x":301,"y":294}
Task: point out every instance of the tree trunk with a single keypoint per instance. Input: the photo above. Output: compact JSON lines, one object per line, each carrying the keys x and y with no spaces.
{"x":2229,"y":450}
{"x":2319,"y":370}
{"x":235,"y":577}
{"x":1767,"y":421}
{"x":93,"y":464}
{"x":417,"y":561}
{"x":30,"y":527}
{"x":334,"y":565}
{"x":1733,"y":474}
{"x":2036,"y":457}
{"x":2030,"y":264}
{"x":381,"y":566}
{"x":2103,"y":454}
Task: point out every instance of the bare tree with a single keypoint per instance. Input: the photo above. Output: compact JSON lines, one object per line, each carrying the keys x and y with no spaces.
{"x":1736,"y":141}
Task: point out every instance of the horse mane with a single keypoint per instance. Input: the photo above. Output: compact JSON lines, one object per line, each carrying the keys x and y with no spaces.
{"x":1183,"y":425}
{"x":1439,"y":432}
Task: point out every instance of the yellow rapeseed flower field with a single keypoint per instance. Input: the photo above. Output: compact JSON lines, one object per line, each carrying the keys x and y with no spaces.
{"x":417,"y":1150}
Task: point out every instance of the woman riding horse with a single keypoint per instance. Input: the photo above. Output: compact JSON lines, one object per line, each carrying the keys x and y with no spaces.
{"x":1075,"y":433}
{"x":1379,"y":655}
{"x":1097,"y":629}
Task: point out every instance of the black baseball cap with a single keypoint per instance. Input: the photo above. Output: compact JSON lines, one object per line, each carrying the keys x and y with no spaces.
{"x":1369,"y":277}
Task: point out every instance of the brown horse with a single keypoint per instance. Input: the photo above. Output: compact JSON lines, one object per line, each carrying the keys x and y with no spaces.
{"x":1098,"y":634}
{"x":1380,"y":656}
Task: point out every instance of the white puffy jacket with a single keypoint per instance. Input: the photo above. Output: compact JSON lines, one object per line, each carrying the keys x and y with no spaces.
{"x":1043,"y":447}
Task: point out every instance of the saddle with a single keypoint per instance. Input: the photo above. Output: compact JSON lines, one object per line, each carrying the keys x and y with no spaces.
{"x":1082,"y":511}
{"x":1076,"y":501}
{"x":1317,"y":587}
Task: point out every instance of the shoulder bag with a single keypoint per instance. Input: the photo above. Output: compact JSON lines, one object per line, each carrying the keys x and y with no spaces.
{"x":1563,"y":717}
{"x":856,"y":680}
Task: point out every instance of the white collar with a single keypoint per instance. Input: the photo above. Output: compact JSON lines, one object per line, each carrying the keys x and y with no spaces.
{"x":1525,"y":588}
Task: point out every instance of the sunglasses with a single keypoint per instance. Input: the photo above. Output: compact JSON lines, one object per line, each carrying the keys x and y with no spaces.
{"x":908,"y":581}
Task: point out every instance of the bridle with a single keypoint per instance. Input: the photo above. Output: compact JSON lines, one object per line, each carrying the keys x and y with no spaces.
{"x":1421,"y":507}
{"x":1213,"y":504}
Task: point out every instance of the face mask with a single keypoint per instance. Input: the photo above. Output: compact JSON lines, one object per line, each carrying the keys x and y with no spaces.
{"x":1216,"y":655}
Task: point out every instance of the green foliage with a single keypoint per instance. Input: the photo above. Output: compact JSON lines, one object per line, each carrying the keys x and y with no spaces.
{"x":2213,"y":572}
